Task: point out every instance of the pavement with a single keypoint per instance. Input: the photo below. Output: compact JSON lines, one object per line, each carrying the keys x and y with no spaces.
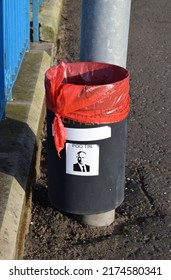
{"x":142,"y":227}
{"x":147,"y":206}
{"x":149,"y":125}
{"x":20,"y":134}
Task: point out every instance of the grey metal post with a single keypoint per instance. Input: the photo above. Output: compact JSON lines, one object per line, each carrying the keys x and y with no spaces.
{"x":104,"y":38}
{"x":104,"y":31}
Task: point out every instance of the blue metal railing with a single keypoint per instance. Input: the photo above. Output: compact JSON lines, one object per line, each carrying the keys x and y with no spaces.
{"x":14,"y":42}
{"x":2,"y":64}
{"x":14,"y":38}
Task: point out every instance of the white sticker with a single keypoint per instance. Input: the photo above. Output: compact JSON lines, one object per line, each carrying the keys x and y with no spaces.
{"x":82,"y":159}
{"x":88,"y":134}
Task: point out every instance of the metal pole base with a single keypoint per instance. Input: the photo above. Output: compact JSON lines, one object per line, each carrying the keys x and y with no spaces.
{"x":98,"y":220}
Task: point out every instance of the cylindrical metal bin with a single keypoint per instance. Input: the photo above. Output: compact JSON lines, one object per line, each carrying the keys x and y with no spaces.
{"x":89,"y":175}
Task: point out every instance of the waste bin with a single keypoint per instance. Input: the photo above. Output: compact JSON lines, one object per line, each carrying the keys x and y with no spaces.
{"x":87,"y":108}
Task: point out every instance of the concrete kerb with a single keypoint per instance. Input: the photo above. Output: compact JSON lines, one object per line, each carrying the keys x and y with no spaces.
{"x":20,"y":133}
{"x":49,"y":19}
{"x":20,"y":137}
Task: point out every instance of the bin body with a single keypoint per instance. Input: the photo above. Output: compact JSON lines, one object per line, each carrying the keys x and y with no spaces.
{"x":98,"y":190}
{"x":87,"y":108}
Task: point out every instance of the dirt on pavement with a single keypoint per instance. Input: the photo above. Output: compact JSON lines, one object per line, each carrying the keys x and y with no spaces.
{"x":142,"y":227}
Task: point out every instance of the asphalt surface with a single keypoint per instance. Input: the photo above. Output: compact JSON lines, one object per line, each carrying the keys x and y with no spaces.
{"x":149,"y":125}
{"x":142,"y":229}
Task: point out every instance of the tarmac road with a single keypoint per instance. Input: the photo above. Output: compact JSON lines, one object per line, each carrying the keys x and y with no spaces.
{"x":142,"y":229}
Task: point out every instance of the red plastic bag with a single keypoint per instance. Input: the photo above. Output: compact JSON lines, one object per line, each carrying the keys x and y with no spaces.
{"x":86,"y":92}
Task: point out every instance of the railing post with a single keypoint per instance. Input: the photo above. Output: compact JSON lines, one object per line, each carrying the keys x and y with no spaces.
{"x":104,"y":38}
{"x":2,"y":64}
{"x":27,"y":30}
{"x":35,"y":21}
{"x":35,"y":5}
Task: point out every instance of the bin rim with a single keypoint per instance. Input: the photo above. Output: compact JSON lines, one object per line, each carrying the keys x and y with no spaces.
{"x":99,"y":103}
{"x":125,"y":71}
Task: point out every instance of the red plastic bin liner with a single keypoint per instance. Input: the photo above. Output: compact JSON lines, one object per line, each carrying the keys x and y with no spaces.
{"x":86,"y":92}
